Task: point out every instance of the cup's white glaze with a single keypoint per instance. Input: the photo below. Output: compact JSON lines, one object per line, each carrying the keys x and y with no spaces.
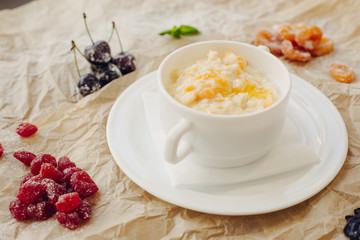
{"x":221,"y":140}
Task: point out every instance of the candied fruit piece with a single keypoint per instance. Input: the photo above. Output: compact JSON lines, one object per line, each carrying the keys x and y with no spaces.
{"x":68,"y":220}
{"x":1,"y":150}
{"x":64,"y":162}
{"x":308,"y":37}
{"x":48,"y":170}
{"x":82,"y":183}
{"x":292,"y":52}
{"x":24,"y":157}
{"x":41,"y":210}
{"x":53,"y":190}
{"x":39,"y":160}
{"x":68,"y":172}
{"x":32,"y":190}
{"x":68,"y":202}
{"x":18,"y":209}
{"x":26,"y":129}
{"x":342,"y":73}
{"x":271,"y":39}
{"x":325,"y":46}
{"x":287,"y":31}
{"x":84,"y":210}
{"x":24,"y":180}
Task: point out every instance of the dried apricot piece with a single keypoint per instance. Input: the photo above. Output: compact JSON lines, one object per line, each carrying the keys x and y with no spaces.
{"x":24,"y":157}
{"x":271,"y":39}
{"x":342,"y":73}
{"x":32,"y":190}
{"x":41,"y":210}
{"x":287,"y":31}
{"x":68,"y":220}
{"x":53,"y":190}
{"x":48,"y":170}
{"x":308,"y":37}
{"x":294,"y":53}
{"x":84,"y":210}
{"x":39,"y":160}
{"x":26,"y":129}
{"x":18,"y":209}
{"x":68,"y":202}
{"x":82,"y":183}
{"x":64,"y":162}
{"x":325,"y":46}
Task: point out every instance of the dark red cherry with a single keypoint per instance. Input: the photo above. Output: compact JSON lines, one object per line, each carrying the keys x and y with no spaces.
{"x":99,"y":53}
{"x":125,"y":61}
{"x":88,"y":83}
{"x":107,"y":73}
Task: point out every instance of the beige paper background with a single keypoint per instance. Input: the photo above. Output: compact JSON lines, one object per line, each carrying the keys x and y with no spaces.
{"x":38,"y":80}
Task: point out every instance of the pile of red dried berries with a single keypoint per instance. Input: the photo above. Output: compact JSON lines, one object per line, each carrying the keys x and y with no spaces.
{"x":53,"y":187}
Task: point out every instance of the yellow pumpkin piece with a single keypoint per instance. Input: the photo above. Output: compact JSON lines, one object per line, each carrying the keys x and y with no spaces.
{"x":221,"y":81}
{"x":189,"y":88}
{"x":268,"y":103}
{"x":206,"y":93}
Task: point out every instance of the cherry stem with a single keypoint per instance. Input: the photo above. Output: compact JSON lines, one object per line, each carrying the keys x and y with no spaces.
{"x":87,"y":29}
{"x":118,"y":36}
{"x":112,"y":32}
{"x":74,"y":47}
{"x":76,"y":63}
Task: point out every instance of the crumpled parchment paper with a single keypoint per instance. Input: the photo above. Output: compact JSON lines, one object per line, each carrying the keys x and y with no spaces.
{"x":38,"y":80}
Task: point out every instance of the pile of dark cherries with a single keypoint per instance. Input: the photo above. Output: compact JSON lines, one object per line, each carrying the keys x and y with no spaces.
{"x":352,"y":228}
{"x":104,"y":67}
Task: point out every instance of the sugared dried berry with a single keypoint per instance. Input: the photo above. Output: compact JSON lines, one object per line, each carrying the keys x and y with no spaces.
{"x":125,"y":61}
{"x":39,"y":160}
{"x":53,"y":190}
{"x":68,"y":202}
{"x":48,"y":170}
{"x":82,"y":183}
{"x":18,"y":209}
{"x":98,"y":53}
{"x":32,"y":190}
{"x":41,"y":210}
{"x":26,"y":129}
{"x":88,"y":83}
{"x":106,"y":73}
{"x":68,"y":220}
{"x":24,"y":180}
{"x":84,"y":210}
{"x":24,"y":157}
{"x":64,"y":162}
{"x":68,"y":172}
{"x":1,"y":150}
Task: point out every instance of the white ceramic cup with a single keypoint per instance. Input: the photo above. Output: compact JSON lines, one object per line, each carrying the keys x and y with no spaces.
{"x":221,"y":140}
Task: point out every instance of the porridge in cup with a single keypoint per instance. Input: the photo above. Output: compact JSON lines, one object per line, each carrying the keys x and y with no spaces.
{"x":221,"y":103}
{"x":224,"y":84}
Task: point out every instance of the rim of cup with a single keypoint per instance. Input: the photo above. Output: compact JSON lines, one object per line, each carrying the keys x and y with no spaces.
{"x":162,"y":88}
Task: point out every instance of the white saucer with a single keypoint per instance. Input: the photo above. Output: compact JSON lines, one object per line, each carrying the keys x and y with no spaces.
{"x":316,"y":119}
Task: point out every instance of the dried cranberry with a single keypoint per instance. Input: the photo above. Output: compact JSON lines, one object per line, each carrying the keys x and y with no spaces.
{"x":41,"y":210}
{"x":24,"y":157}
{"x":18,"y":209}
{"x":68,"y":172}
{"x":68,"y":220}
{"x":53,"y":190}
{"x":64,"y":162}
{"x":39,"y":160}
{"x":68,"y":202}
{"x":48,"y":170}
{"x":24,"y":180}
{"x":82,"y":183}
{"x":1,"y":150}
{"x":84,"y":210}
{"x":31,"y":191}
{"x":26,"y":129}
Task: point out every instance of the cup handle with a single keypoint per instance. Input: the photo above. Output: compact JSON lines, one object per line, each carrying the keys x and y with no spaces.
{"x":265,"y":48}
{"x":173,"y":154}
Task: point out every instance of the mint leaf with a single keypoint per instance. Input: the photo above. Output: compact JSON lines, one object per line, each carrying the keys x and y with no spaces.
{"x":188,"y":30}
{"x":176,"y":32}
